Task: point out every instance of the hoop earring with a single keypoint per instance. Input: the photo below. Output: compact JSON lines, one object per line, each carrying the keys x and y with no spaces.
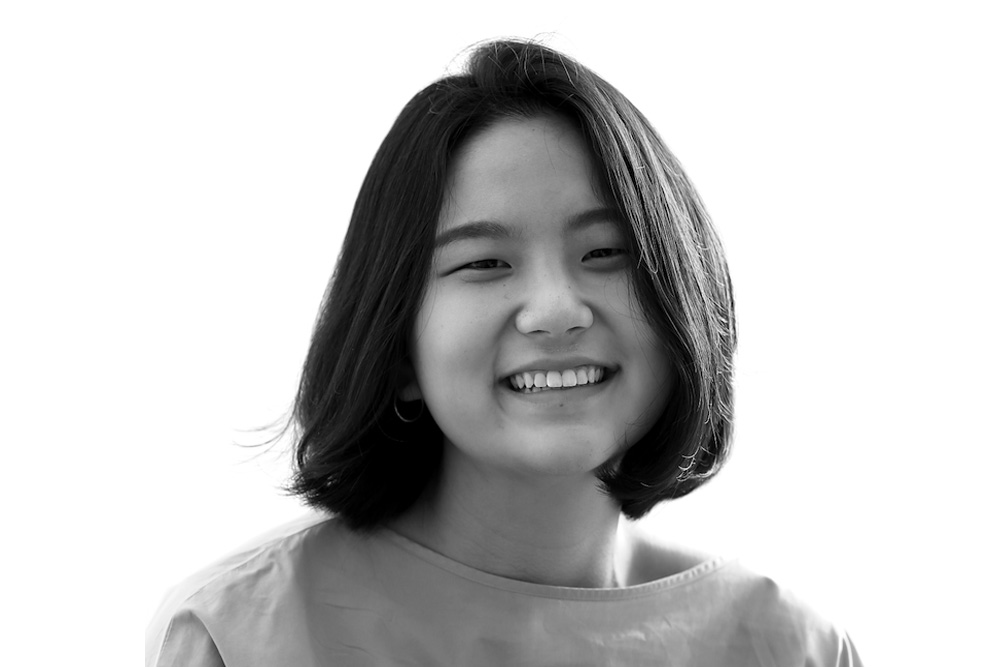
{"x":395,"y":406}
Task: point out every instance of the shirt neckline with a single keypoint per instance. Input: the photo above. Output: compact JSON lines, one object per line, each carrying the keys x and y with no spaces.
{"x":498,"y":582}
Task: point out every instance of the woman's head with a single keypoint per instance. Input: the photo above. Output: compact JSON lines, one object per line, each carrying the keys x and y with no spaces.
{"x":355,"y":456}
{"x":529,"y":349}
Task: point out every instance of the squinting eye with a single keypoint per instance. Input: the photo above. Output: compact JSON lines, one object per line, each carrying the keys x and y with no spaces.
{"x":604,"y":253}
{"x":484,"y":264}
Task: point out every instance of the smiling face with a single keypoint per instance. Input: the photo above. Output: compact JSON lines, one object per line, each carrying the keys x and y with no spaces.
{"x":528,"y":349}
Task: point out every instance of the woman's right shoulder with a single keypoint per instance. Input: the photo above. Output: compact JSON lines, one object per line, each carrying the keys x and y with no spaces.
{"x":185,"y":627}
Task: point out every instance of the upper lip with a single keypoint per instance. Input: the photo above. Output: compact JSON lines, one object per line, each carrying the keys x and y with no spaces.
{"x":556,"y":364}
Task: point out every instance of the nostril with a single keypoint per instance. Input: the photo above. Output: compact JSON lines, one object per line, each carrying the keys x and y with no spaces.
{"x":555,"y":319}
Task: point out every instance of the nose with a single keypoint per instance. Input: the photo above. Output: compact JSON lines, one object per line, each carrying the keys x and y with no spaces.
{"x":553,"y":306}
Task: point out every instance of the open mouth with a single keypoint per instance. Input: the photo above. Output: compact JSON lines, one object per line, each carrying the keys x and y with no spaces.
{"x":532,"y":382}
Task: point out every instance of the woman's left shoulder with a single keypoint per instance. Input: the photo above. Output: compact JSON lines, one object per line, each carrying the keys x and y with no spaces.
{"x":781,"y":623}
{"x":739,"y":606}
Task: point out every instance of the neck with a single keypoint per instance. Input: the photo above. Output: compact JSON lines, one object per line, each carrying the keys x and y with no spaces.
{"x":555,"y":530}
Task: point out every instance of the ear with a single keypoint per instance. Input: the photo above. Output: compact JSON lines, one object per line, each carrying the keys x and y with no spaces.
{"x":408,"y":389}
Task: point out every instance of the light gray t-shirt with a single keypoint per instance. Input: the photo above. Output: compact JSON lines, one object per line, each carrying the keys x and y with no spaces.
{"x":315,"y":593}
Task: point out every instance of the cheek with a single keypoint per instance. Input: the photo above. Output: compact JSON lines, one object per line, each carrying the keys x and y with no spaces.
{"x":655,"y":374}
{"x":452,"y":354}
{"x":659,"y":365}
{"x":622,"y":299}
{"x":446,"y":339}
{"x":663,"y":381}
{"x":457,"y":392}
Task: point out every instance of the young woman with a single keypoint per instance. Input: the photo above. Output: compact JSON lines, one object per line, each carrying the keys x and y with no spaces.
{"x":529,"y":334}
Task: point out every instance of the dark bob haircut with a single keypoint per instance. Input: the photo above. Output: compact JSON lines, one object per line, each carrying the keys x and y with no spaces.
{"x":354,"y":455}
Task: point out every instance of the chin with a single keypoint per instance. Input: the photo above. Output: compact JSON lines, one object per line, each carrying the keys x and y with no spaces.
{"x":559,"y":456}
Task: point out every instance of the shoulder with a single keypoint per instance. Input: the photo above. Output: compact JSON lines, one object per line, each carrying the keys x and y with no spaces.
{"x":780,"y":625}
{"x":748,"y":612}
{"x":186,"y":628}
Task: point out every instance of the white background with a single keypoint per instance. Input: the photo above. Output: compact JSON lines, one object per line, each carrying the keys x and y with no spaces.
{"x":176,"y":178}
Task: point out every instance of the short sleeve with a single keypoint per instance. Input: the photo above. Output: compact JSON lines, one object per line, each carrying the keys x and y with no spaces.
{"x":830,"y":646}
{"x":183,"y":641}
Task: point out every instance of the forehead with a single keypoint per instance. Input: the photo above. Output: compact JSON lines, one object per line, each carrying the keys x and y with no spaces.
{"x":520,"y":170}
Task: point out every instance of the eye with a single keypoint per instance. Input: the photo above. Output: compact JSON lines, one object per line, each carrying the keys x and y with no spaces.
{"x":485,"y":265}
{"x":604,"y":253}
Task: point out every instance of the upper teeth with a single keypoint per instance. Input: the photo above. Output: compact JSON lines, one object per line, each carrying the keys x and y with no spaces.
{"x":570,"y":377}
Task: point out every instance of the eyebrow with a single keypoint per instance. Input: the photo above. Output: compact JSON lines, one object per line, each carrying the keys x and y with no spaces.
{"x":487,"y":229}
